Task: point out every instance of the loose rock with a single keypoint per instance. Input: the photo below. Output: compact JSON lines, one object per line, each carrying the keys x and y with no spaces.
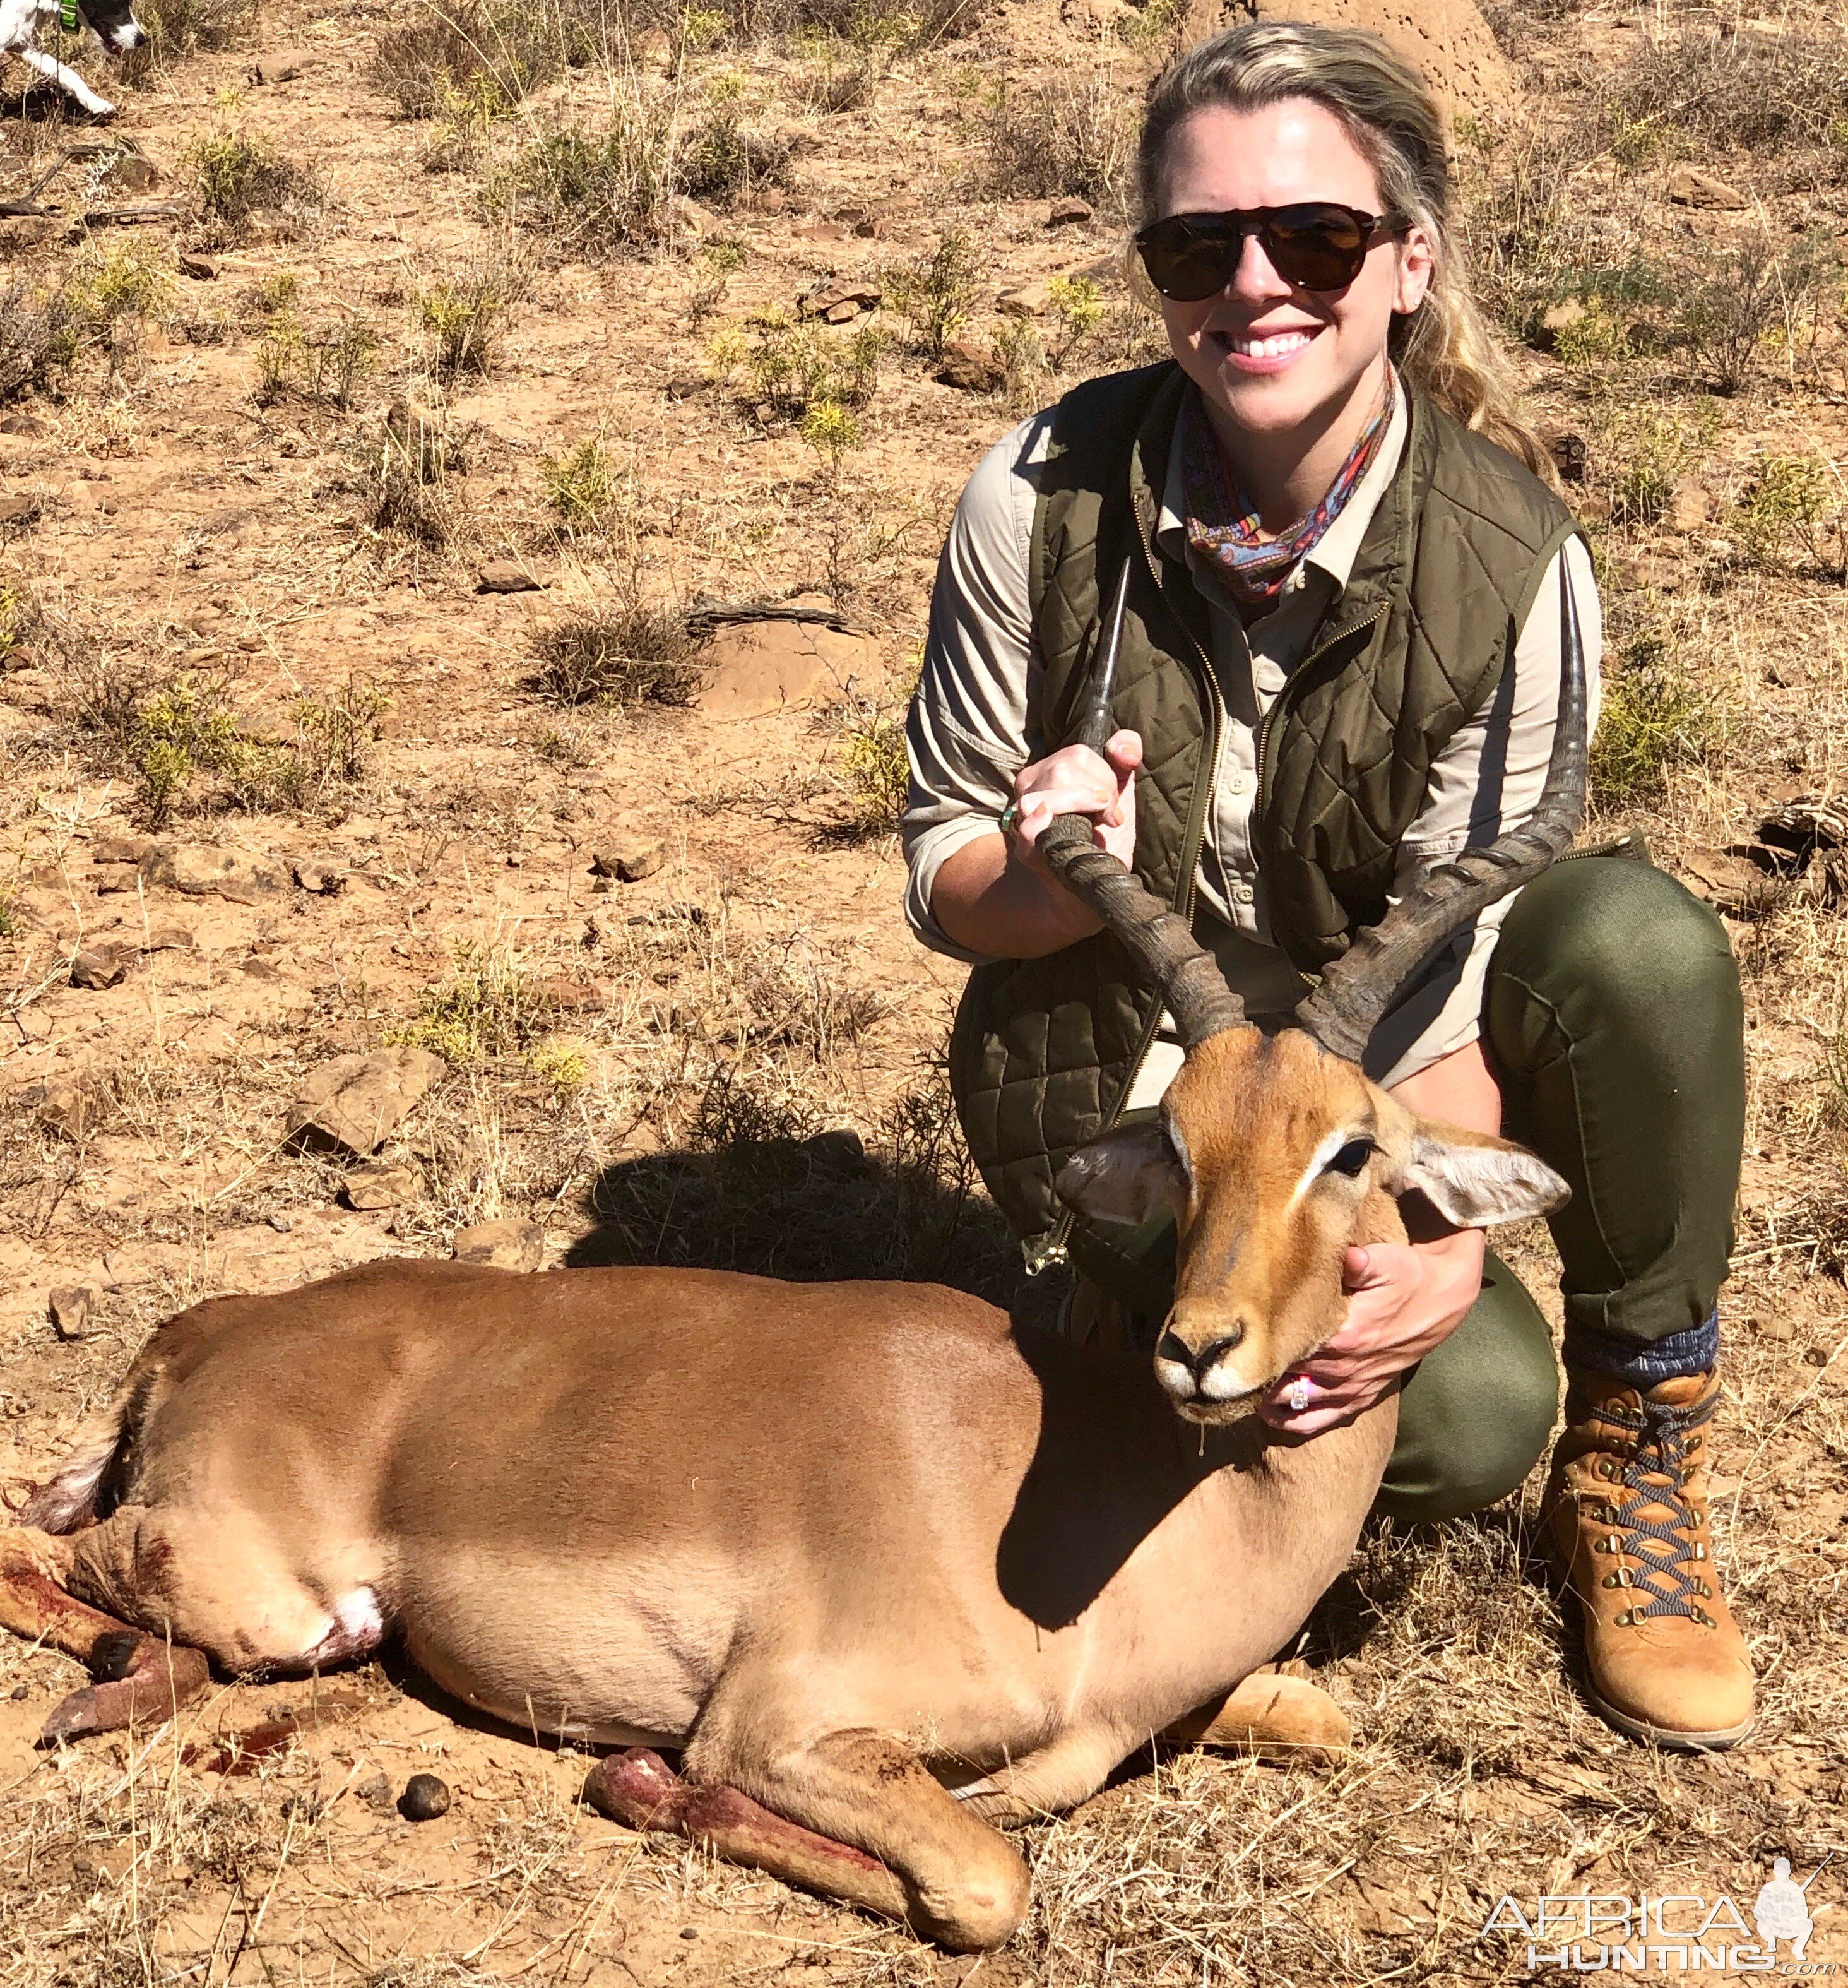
{"x":837,"y":300}
{"x":322,"y":876}
{"x":133,"y":172}
{"x":99,"y":966}
{"x":199,"y":269}
{"x":425,"y":1798}
{"x":1689,"y":187}
{"x":284,"y":67}
{"x":69,"y":1307}
{"x":1032,"y":300}
{"x":417,"y":442}
{"x":1571,"y":458}
{"x":168,"y":935}
{"x":120,"y":848}
{"x":199,"y":870}
{"x":503,"y":576}
{"x":630,"y":858}
{"x":1072,"y":213}
{"x":1689,"y":506}
{"x":353,"y":1104}
{"x":969,"y":368}
{"x":379,"y":1184}
{"x":69,"y":1106}
{"x":1557,"y":318}
{"x":375,"y":1792}
{"x":510,"y":1244}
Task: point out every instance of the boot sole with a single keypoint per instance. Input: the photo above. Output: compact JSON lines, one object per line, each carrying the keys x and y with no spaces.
{"x":1672,"y":1739}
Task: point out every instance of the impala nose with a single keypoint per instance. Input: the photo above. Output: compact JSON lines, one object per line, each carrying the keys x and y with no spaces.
{"x":1186,"y":1372}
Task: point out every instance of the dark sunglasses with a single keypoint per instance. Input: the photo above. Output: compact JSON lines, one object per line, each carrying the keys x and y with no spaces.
{"x":1317,"y":245}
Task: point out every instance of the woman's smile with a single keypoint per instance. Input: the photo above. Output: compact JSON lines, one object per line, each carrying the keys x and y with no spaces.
{"x":1264,"y":352}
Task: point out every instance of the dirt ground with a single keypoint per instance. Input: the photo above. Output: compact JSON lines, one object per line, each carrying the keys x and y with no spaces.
{"x":645,"y":905}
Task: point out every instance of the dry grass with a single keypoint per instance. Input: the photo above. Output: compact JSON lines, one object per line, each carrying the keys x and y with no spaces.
{"x":628,"y":654}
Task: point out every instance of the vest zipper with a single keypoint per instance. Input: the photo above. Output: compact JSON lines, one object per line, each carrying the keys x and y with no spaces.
{"x":1629,"y":842}
{"x":1040,"y":1253}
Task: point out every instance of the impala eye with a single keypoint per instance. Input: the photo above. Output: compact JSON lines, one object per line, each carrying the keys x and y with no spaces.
{"x":1352,"y":1158}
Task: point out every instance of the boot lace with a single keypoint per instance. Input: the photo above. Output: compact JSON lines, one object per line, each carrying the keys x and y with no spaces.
{"x":1653,"y":1472}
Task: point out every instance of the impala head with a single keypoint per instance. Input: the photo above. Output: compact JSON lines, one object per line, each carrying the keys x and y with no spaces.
{"x":1276,"y":1156}
{"x":1277,"y":1153}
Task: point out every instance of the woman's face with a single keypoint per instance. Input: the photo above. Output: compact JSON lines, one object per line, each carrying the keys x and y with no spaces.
{"x":1272,"y":357}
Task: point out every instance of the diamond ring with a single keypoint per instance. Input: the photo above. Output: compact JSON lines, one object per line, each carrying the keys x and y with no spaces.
{"x":1299,"y":1396}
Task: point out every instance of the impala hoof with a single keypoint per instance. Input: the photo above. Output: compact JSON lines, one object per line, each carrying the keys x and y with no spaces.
{"x":143,"y":1684}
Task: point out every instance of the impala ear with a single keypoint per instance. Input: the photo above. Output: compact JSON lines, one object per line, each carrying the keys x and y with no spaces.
{"x":1128,"y":1175}
{"x":1473,"y":1179}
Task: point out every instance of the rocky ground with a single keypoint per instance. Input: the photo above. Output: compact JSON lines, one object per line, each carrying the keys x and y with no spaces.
{"x":417,"y":839}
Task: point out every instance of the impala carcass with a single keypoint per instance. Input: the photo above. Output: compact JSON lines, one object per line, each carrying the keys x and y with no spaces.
{"x":884,"y":1569}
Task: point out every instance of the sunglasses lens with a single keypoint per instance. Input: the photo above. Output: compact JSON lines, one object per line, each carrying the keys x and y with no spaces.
{"x":1188,"y":262}
{"x":1320,"y":247}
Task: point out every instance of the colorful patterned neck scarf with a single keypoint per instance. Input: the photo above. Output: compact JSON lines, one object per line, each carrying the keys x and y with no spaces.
{"x":1223,"y":527}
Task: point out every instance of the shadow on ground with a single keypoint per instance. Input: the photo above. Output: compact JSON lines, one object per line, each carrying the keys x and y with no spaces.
{"x":756,"y":1188}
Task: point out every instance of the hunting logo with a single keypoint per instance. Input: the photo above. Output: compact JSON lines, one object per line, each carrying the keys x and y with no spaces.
{"x":1589,"y":1932}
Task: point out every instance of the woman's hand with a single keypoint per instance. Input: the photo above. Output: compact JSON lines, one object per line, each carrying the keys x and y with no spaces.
{"x":1405,"y":1299}
{"x":1075,"y":780}
{"x":995,"y":894}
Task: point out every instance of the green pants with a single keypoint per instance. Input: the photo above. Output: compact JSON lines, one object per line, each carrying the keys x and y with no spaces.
{"x":1613,"y":1022}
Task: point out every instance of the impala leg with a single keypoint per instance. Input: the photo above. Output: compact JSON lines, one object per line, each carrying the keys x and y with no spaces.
{"x":1269,"y":1714}
{"x":141,"y":1679}
{"x":853,"y":1816}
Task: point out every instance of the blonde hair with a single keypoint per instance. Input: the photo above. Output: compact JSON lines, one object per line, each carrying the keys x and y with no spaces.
{"x":1443,"y":348}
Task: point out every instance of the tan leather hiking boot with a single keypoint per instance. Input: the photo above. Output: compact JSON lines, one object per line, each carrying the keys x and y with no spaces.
{"x":1627,"y":1525}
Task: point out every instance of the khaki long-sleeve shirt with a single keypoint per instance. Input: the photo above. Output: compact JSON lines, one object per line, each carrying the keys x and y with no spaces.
{"x":976,"y":721}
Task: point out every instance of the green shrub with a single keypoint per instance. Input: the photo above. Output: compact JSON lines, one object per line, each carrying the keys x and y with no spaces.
{"x":1735,"y":299}
{"x":721,"y":161}
{"x":795,"y":367}
{"x":490,"y":1007}
{"x":186,"y":734}
{"x":1734,"y":87}
{"x":933,"y":294}
{"x":18,"y":616}
{"x":1796,"y":504}
{"x":238,"y":174}
{"x":581,"y":486}
{"x":41,"y":332}
{"x":595,"y":192}
{"x":175,"y":28}
{"x":831,"y":431}
{"x":467,"y":309}
{"x":1647,"y":454}
{"x":321,"y":363}
{"x":1652,"y":717}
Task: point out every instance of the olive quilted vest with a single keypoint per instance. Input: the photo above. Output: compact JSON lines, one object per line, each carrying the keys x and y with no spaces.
{"x":1044,"y":1050}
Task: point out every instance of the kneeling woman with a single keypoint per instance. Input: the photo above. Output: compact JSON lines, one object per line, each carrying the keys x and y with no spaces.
{"x":1341,"y":665}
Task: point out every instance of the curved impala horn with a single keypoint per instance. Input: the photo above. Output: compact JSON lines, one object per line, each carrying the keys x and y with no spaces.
{"x":1166,"y":953}
{"x":1356,"y":988}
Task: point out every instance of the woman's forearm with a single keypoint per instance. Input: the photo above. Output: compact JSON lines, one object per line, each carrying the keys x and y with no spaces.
{"x":987,"y":898}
